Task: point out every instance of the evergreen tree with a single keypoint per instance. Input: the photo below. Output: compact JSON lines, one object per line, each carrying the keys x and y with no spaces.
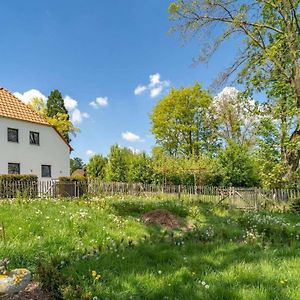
{"x":56,"y":107}
{"x":55,"y":104}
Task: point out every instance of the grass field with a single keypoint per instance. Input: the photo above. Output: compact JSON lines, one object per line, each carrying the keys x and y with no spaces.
{"x":225,"y":254}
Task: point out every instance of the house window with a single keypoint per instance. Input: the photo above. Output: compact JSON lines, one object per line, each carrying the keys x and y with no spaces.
{"x":34,"y":138}
{"x":13,"y":168}
{"x":46,"y":171}
{"x":13,"y":135}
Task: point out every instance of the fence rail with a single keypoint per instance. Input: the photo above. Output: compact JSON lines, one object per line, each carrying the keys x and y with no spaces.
{"x":251,"y":197}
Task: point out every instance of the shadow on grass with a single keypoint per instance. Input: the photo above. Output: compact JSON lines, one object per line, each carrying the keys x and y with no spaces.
{"x":159,"y":267}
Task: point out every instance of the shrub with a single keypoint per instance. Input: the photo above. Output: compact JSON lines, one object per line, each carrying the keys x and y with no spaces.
{"x":14,"y":185}
{"x":74,"y":186}
{"x":295,"y":205}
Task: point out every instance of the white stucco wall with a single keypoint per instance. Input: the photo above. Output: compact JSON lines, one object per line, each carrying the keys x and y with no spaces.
{"x":51,"y":151}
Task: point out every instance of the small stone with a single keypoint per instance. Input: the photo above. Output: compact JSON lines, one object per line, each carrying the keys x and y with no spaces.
{"x":15,"y":282}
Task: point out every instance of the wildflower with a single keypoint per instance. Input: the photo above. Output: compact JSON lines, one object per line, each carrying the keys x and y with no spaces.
{"x":98,"y":277}
{"x":207,"y":286}
{"x":94,"y":273}
{"x":284,"y":282}
{"x":159,"y":272}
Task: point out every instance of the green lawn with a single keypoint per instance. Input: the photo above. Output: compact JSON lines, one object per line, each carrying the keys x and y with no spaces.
{"x":229,"y":254}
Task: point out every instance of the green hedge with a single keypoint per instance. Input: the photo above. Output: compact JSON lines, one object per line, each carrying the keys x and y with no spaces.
{"x":15,"y":185}
{"x":73,"y":186}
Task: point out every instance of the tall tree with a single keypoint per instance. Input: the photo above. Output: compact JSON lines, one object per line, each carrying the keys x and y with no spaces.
{"x":140,"y":168}
{"x":55,"y":104}
{"x":270,"y":32}
{"x":236,"y":116}
{"x":76,"y":163}
{"x":118,"y":163}
{"x":95,"y":168}
{"x":239,"y":166}
{"x":60,"y":121}
{"x":182,"y":122}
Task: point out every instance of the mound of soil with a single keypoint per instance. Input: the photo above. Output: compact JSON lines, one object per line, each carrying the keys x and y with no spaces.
{"x":161,"y":217}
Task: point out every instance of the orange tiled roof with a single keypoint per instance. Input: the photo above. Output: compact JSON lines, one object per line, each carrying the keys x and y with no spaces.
{"x":12,"y":107}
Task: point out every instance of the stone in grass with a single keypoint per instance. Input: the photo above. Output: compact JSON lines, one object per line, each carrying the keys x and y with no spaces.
{"x":15,"y":282}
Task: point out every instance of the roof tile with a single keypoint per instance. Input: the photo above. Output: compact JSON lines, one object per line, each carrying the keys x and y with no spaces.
{"x":12,"y":107}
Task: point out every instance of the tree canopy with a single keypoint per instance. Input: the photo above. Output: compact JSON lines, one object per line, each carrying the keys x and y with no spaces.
{"x":268,"y":59}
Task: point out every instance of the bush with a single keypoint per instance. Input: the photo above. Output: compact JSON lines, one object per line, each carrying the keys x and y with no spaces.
{"x":295,"y":205}
{"x":14,"y":185}
{"x":74,"y":186}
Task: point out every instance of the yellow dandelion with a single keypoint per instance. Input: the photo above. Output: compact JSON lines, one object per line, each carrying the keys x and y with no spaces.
{"x":98,"y":277}
{"x":94,"y":273}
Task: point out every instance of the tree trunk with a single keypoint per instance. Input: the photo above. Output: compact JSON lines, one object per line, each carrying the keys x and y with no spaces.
{"x":293,"y":153}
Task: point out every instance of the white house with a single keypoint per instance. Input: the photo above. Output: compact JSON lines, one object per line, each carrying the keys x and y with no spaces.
{"x":28,"y":143}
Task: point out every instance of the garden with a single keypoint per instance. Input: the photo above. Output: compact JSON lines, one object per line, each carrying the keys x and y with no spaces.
{"x":151,"y":247}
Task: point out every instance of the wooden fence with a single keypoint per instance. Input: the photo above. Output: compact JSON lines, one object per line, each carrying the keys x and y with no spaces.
{"x":243,"y":197}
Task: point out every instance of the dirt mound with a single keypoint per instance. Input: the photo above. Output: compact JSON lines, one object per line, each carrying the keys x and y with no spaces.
{"x":161,"y":217}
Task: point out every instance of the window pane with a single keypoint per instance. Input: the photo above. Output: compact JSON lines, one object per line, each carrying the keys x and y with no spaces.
{"x":12,"y":135}
{"x":46,"y":171}
{"x":13,"y":168}
{"x":34,"y":138}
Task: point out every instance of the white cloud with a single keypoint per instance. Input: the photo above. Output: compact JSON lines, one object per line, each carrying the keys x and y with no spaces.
{"x":154,"y":79}
{"x":90,"y":153}
{"x":77,"y":116}
{"x":131,"y":137}
{"x":140,"y":89}
{"x":155,"y":91}
{"x":99,"y":102}
{"x":29,"y":95}
{"x":155,"y":86}
{"x":70,"y":103}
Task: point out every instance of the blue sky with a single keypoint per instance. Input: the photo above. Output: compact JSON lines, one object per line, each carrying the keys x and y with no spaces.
{"x":100,"y":49}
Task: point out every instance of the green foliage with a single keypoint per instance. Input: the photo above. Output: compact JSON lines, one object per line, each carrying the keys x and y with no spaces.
{"x":60,"y":120}
{"x":117,"y":166}
{"x":58,"y":115}
{"x":140,"y":168}
{"x":50,"y":277}
{"x":72,"y":179}
{"x":76,"y":163}
{"x":182,"y":123}
{"x":239,"y":166}
{"x":56,"y":105}
{"x":96,"y":166}
{"x":18,"y":177}
{"x":295,"y":206}
{"x":268,"y":61}
{"x":63,"y":125}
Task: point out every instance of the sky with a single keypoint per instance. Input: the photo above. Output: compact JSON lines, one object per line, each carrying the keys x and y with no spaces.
{"x":111,"y":60}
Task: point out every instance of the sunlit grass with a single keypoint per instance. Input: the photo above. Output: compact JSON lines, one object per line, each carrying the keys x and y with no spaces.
{"x":228,"y":254}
